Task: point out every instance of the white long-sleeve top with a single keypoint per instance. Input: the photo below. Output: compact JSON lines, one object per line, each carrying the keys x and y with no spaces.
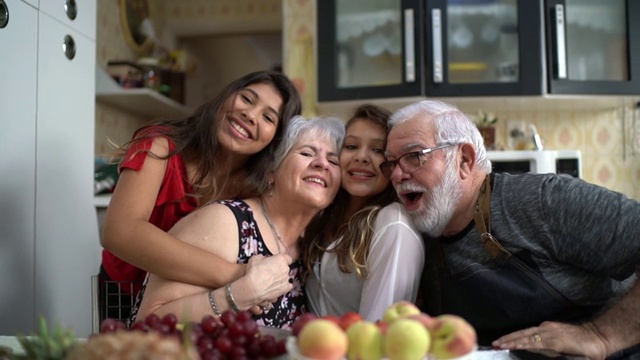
{"x":395,"y":260}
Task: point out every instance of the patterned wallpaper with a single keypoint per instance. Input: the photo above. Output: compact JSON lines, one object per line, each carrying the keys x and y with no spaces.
{"x":607,"y":159}
{"x":112,"y":125}
{"x":605,"y":137}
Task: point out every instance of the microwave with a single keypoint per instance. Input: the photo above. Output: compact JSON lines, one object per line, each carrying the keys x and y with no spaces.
{"x":537,"y":161}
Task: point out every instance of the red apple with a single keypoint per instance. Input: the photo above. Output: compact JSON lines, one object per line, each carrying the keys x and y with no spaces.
{"x":424,"y":319}
{"x":301,"y":321}
{"x":383,"y":326}
{"x":333,"y":318}
{"x":349,"y":319}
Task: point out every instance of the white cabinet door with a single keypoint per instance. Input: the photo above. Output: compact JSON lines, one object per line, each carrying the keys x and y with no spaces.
{"x":83,"y":13}
{"x":35,"y":3}
{"x":67,"y":242}
{"x":18,"y":41}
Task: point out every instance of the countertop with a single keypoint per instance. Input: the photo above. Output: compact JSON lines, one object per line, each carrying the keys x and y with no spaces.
{"x":12,"y":343}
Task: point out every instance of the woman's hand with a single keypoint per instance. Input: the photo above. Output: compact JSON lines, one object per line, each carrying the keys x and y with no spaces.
{"x":265,"y":280}
{"x":553,"y":338}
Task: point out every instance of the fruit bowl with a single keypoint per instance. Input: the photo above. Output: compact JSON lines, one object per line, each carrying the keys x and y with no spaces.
{"x":294,"y":352}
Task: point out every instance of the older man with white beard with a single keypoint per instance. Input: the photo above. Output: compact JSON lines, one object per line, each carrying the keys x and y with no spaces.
{"x":533,"y":261}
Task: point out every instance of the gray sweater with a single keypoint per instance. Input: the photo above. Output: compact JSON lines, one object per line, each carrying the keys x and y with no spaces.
{"x":584,"y":238}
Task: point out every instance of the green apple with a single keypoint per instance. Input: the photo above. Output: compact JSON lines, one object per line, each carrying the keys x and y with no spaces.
{"x":323,"y":340}
{"x":452,"y":337}
{"x":365,"y":341}
{"x":407,"y":339}
{"x":399,"y":310}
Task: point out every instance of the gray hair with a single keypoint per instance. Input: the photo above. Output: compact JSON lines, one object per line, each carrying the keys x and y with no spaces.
{"x":450,"y":125}
{"x":330,"y":128}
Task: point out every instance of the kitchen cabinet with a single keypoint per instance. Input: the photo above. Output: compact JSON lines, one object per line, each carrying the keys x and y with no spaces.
{"x":76,"y":14}
{"x":18,"y":166}
{"x":483,"y":48}
{"x":476,"y":48}
{"x":67,"y":242}
{"x":593,"y":47}
{"x":47,"y":189}
{"x":369,"y":49}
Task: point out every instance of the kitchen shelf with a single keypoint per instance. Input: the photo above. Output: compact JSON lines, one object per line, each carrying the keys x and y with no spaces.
{"x":139,"y":101}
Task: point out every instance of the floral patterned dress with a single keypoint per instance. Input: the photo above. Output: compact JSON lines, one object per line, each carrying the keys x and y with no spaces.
{"x":288,"y":306}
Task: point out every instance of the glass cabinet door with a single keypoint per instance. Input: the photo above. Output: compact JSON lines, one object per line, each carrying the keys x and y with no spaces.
{"x":484,"y":47}
{"x":482,"y":41}
{"x":367,"y":49}
{"x":593,"y":46}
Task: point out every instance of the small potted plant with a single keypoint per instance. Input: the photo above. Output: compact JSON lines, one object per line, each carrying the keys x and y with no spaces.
{"x":486,"y":124}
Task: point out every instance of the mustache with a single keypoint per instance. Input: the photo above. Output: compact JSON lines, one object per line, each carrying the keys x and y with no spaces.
{"x":408,"y":187}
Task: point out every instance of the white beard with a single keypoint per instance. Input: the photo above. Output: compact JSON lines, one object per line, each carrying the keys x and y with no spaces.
{"x":437,"y":210}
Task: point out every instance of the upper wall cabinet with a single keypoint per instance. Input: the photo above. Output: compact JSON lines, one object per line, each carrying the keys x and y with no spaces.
{"x":593,"y":47}
{"x":369,"y":49}
{"x":444,"y":48}
{"x":77,"y":14}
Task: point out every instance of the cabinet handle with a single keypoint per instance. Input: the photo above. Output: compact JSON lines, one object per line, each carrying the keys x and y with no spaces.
{"x":409,"y":47}
{"x":4,"y":14}
{"x":71,"y":9}
{"x":436,"y":36}
{"x":561,"y":50}
{"x":69,"y":47}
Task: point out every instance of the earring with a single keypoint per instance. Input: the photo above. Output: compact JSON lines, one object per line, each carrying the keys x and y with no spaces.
{"x":270,"y":188}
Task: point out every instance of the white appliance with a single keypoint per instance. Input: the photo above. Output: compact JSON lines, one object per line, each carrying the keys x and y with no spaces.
{"x":537,"y":161}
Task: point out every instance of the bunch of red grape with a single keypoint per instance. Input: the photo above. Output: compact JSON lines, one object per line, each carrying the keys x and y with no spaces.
{"x":233,"y":336}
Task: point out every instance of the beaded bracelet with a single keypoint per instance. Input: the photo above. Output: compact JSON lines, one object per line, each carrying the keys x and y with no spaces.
{"x":214,"y":307}
{"x":230,"y":298}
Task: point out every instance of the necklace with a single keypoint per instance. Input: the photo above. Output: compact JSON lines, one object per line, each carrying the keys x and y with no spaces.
{"x":273,"y":228}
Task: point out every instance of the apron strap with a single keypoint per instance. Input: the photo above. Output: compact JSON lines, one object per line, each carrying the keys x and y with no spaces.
{"x":482,"y":218}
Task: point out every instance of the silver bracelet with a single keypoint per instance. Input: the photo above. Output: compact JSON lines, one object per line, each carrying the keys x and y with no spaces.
{"x":214,"y":307}
{"x":230,"y":298}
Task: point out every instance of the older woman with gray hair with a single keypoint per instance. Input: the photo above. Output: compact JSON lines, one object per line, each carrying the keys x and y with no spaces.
{"x":303,"y":180}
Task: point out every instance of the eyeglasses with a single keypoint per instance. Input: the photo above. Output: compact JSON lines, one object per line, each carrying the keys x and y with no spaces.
{"x":409,"y":162}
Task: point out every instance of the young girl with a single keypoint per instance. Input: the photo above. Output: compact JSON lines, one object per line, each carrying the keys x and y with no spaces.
{"x":365,"y":253}
{"x":173,"y":166}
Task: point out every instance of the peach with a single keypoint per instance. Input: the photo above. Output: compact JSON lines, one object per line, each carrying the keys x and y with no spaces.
{"x":407,"y":339}
{"x":452,"y":337}
{"x":399,"y":310}
{"x":365,"y":341}
{"x":322,"y":339}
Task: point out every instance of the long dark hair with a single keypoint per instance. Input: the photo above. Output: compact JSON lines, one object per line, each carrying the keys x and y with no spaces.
{"x":357,"y":232}
{"x":196,"y":136}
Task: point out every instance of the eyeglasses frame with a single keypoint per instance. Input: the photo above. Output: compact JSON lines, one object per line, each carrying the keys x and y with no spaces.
{"x":396,"y":162}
